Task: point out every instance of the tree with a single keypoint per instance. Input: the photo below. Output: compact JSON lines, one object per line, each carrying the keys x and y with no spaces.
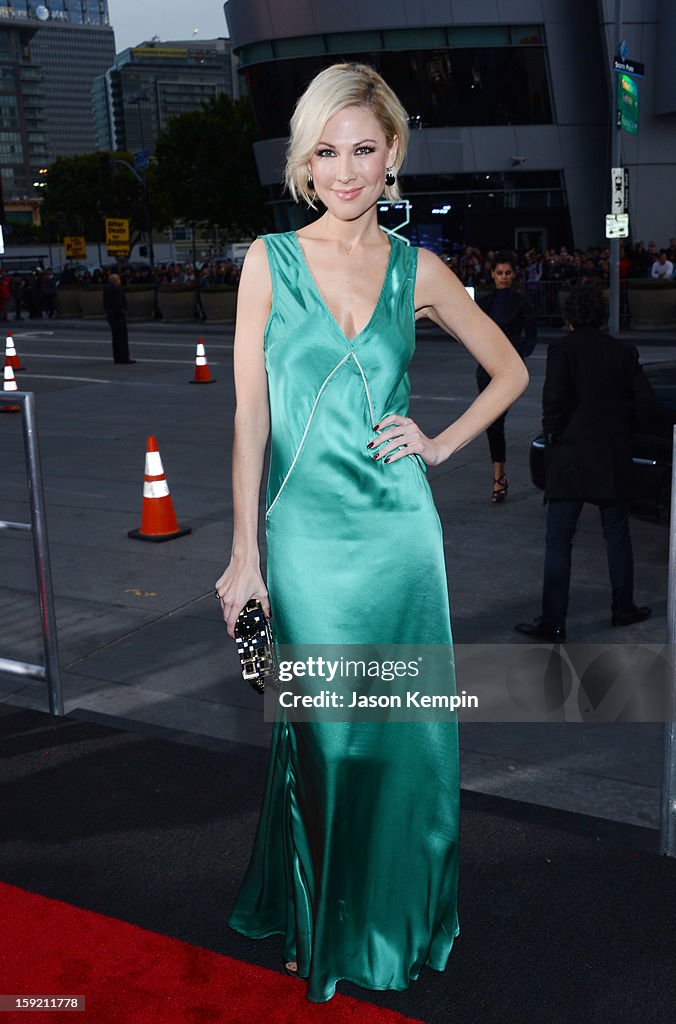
{"x":83,"y":190}
{"x":205,"y":170}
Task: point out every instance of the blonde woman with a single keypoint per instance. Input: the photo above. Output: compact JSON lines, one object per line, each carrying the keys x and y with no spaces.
{"x":356,"y":854}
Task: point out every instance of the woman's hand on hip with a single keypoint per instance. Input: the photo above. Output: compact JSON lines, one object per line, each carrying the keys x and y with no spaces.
{"x":240,"y":583}
{"x":401,"y":436}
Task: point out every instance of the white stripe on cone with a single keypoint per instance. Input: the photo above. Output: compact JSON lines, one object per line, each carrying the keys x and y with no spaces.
{"x":155,"y":488}
{"x":153,"y":464}
{"x":10,"y":380}
{"x":10,"y":349}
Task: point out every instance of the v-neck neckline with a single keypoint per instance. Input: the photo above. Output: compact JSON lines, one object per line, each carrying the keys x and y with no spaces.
{"x":323,"y":302}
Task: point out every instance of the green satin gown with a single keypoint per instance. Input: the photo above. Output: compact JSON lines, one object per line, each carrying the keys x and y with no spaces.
{"x":355,"y":860}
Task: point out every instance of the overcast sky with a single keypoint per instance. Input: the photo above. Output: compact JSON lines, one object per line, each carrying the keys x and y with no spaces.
{"x":137,"y":20}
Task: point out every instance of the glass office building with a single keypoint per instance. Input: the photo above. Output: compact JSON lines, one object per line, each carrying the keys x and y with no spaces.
{"x":71,"y":57}
{"x":74,"y":12}
{"x":23,"y":130}
{"x":510,"y":107}
{"x":68,"y":43}
{"x":153,"y":82}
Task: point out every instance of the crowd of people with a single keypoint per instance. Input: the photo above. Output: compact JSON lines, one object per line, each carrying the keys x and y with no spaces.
{"x":33,"y":293}
{"x":206,"y":275}
{"x":579,"y":266}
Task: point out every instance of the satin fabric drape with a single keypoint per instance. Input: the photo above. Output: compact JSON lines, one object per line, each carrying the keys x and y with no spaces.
{"x":355,"y":859}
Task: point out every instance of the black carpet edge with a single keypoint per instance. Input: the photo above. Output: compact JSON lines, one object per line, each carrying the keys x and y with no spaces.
{"x":164,"y":732}
{"x":614,"y":833}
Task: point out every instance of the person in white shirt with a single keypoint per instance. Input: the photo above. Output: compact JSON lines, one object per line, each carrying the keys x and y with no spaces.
{"x":662,"y":267}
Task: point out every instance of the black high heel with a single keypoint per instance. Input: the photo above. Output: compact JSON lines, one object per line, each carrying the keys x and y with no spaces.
{"x":499,"y":495}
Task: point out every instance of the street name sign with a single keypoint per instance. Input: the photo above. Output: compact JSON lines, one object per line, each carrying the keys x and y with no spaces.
{"x":142,"y":159}
{"x":629,"y":67}
{"x":627,"y":104}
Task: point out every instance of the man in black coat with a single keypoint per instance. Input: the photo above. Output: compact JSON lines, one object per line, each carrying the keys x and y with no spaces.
{"x":594,"y":391}
{"x":514,"y":314}
{"x":115,"y":306}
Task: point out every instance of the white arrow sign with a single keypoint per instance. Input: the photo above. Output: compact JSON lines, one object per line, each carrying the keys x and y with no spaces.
{"x":619,"y":189}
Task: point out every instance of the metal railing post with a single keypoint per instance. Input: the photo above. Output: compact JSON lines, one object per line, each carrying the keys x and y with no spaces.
{"x":668,"y":829}
{"x":50,"y":671}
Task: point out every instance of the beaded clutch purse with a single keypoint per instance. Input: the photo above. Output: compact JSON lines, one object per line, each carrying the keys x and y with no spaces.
{"x":255,"y":646}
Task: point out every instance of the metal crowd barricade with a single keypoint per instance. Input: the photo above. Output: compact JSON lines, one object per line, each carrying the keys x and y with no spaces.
{"x":668,"y":830}
{"x":546,"y":300}
{"x":37,"y":526}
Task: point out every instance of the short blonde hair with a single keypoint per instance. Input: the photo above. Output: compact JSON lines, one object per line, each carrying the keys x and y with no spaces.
{"x":333,"y":89}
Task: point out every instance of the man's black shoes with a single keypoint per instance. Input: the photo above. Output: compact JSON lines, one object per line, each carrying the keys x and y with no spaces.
{"x":539,"y":630}
{"x":631,"y":617}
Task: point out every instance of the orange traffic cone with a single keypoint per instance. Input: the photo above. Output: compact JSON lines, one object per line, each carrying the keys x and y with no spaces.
{"x":9,"y":385}
{"x":11,"y":358}
{"x":202,"y":372}
{"x":158,"y":519}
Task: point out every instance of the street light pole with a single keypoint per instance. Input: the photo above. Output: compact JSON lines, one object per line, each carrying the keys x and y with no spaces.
{"x":146,"y":204}
{"x":149,"y":221}
{"x":136,"y":100}
{"x":615,"y":158}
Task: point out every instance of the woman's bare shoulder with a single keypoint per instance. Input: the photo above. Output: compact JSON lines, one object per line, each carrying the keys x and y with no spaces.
{"x":257,"y":253}
{"x":429,"y":263}
{"x":256,"y":266}
{"x":434,"y":278}
{"x":254,"y":297}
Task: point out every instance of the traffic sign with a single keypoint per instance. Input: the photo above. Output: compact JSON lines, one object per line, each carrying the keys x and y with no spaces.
{"x":629,"y":67}
{"x":617,"y":225}
{"x":619,"y":190}
{"x":75,"y":246}
{"x":117,"y":231}
{"x":627,"y":104}
{"x":142,"y":159}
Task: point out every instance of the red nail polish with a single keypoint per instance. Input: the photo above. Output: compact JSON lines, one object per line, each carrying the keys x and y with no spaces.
{"x":370,"y":444}
{"x":386,"y":460}
{"x":376,"y":456}
{"x":376,"y":426}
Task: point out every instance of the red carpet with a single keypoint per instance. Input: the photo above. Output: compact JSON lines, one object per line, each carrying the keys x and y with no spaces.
{"x":129,"y":975}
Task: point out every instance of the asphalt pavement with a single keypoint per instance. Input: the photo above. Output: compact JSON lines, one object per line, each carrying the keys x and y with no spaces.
{"x":141,"y":640}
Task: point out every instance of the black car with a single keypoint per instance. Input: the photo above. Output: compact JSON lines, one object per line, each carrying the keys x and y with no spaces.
{"x":651,"y":452}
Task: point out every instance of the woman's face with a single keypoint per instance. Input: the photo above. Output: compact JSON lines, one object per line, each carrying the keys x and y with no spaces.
{"x":350,"y":161}
{"x":503,"y":275}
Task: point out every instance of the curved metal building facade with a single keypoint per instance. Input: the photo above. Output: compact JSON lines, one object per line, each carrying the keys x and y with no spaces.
{"x":509,"y":102}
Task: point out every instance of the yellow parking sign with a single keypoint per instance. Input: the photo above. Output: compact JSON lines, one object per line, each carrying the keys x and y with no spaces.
{"x":117,"y":231}
{"x":75,"y":246}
